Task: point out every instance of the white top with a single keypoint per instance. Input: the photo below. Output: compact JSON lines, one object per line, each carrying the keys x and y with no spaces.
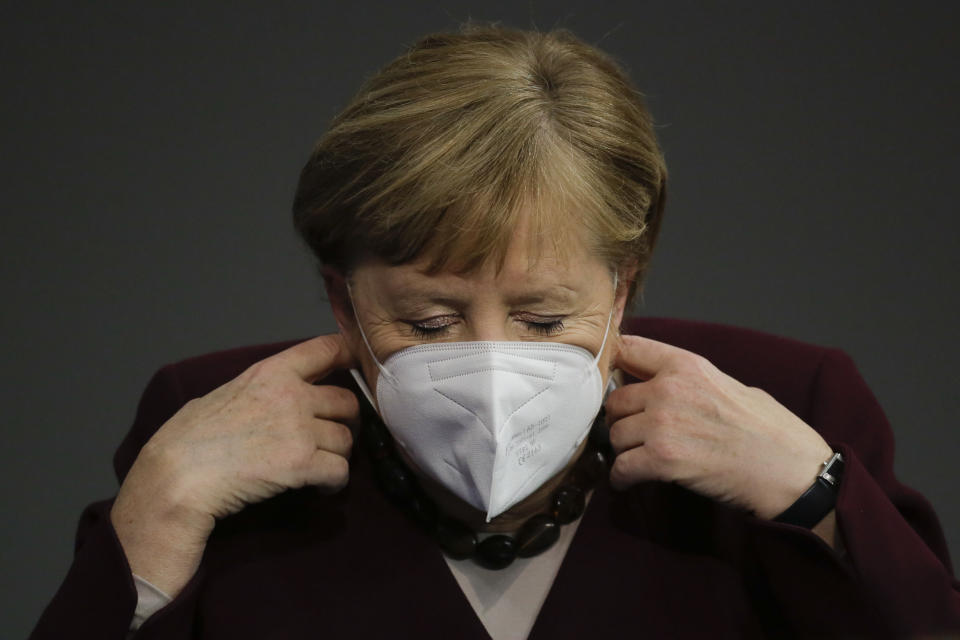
{"x":150,"y":599}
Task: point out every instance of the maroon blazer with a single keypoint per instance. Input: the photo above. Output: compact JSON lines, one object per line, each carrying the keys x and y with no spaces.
{"x":651,"y":562}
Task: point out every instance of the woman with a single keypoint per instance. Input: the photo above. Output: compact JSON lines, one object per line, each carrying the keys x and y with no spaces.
{"x":483,"y":213}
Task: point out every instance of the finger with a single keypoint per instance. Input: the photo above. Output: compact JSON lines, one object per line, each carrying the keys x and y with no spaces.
{"x":333,"y":403}
{"x":313,"y":359}
{"x":643,"y":357}
{"x":632,"y":467}
{"x":332,"y":437}
{"x":625,"y":401}
{"x":327,"y":470}
{"x":628,"y":433}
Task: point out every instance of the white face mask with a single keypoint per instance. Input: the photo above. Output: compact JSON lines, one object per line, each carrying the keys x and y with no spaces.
{"x":490,"y":421}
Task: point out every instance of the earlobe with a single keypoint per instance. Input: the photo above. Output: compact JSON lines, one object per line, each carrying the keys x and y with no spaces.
{"x":625,"y":277}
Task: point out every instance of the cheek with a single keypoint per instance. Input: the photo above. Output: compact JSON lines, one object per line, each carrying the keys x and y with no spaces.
{"x":386,"y":339}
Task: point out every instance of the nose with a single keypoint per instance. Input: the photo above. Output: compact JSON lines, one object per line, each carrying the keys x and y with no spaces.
{"x":488,"y":329}
{"x":488,"y":323}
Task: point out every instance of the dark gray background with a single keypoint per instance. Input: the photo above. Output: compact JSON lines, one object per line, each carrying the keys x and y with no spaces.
{"x":150,"y":154}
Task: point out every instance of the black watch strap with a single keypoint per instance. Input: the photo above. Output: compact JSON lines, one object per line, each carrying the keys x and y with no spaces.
{"x":817,"y":501}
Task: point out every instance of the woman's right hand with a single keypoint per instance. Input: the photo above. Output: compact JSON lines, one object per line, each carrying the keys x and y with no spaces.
{"x":265,"y":431}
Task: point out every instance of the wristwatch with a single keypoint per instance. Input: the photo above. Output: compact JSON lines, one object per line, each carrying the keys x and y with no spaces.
{"x":817,"y":501}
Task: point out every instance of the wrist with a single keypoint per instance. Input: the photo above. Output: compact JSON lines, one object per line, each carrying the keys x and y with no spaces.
{"x":162,"y":535}
{"x":819,"y":500}
{"x":164,"y":551}
{"x":785,"y":482}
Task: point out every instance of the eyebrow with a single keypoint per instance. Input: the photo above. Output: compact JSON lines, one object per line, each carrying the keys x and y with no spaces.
{"x":559,"y":293}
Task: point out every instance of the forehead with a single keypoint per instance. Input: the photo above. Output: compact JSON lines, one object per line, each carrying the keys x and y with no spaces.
{"x":555,"y":263}
{"x":526,"y":238}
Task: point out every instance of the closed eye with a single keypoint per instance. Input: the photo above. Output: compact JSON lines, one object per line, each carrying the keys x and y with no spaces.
{"x":551,"y":328}
{"x":440,"y":326}
{"x":424,"y":332}
{"x":435,"y":327}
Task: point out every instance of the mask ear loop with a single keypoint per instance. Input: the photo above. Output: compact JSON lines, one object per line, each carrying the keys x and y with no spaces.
{"x":354,"y":372}
{"x":606,"y":331}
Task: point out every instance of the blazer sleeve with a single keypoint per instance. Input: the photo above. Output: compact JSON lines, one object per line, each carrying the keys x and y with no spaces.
{"x":98,"y":596}
{"x":896,"y":558}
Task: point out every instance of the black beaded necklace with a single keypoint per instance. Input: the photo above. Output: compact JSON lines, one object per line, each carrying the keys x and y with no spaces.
{"x":456,"y":539}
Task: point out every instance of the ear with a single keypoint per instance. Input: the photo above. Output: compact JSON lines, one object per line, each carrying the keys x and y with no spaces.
{"x":335,"y":282}
{"x":338,"y":293}
{"x":625,"y":277}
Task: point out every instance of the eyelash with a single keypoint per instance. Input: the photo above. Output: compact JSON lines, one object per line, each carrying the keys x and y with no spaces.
{"x":550,"y":328}
{"x":545,"y":328}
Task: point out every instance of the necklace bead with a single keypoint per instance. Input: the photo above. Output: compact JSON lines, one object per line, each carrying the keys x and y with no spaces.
{"x":568,"y":504}
{"x":496,"y":552}
{"x":590,"y":469}
{"x":456,"y":539}
{"x":537,"y":534}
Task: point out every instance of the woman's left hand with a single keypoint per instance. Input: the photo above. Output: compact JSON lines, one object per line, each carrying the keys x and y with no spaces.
{"x":692,"y":424}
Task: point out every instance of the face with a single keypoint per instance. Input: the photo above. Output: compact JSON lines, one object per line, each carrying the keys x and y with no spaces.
{"x":542,"y":295}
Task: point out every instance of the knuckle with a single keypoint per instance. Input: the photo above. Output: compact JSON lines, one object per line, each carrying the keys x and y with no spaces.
{"x":296,"y":459}
{"x":294,"y":450}
{"x":697,"y":360}
{"x":614,"y":401}
{"x":193,"y":413}
{"x":155,"y":454}
{"x":669,"y":386}
{"x":615,"y":434}
{"x":692,"y":362}
{"x":258,"y":382}
{"x":302,"y":436}
{"x":338,"y":437}
{"x":656,"y":416}
{"x":666,"y":450}
{"x":283,"y":393}
{"x":338,"y":402}
{"x":620,"y":466}
{"x":353,"y":403}
{"x":268,"y":377}
{"x":339,"y":471}
{"x":703,"y":367}
{"x":348,"y":400}
{"x":346,"y":395}
{"x":759,"y":393}
{"x":262,"y":369}
{"x":346,"y":437}
{"x":620,"y":471}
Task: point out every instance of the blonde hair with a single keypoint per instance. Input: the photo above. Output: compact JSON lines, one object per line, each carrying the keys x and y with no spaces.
{"x":447,"y":145}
